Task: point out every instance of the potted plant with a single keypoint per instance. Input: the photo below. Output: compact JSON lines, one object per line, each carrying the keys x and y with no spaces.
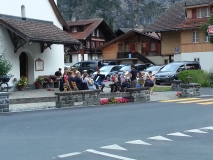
{"x":22,"y":83}
{"x":5,"y":68}
{"x":39,"y":82}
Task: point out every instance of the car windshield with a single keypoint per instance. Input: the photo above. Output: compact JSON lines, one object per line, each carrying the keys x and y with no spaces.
{"x":153,"y":68}
{"x":105,"y":68}
{"x":170,"y":67}
{"x":125,"y":68}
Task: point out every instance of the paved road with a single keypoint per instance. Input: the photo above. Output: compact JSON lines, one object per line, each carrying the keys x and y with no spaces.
{"x":154,"y":130}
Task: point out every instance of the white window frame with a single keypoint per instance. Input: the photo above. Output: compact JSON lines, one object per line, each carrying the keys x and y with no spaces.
{"x":152,"y":47}
{"x":97,"y":32}
{"x":93,"y":33}
{"x":206,"y":38}
{"x":74,"y":29}
{"x":88,"y":44}
{"x":199,"y":13}
{"x":195,"y":37}
{"x":207,"y":12}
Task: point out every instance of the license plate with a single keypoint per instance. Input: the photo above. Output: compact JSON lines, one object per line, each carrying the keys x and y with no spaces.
{"x":157,"y":78}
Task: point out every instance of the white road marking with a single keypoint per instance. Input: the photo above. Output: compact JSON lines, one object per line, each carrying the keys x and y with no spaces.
{"x":68,"y":155}
{"x":195,"y":131}
{"x":108,"y":155}
{"x":208,"y":128}
{"x":160,"y":138}
{"x":138,"y":142}
{"x":114,"y":146}
{"x":179,"y":134}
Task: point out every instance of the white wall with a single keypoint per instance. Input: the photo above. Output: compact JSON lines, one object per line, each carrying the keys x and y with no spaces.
{"x":53,"y":58}
{"x":36,"y":9}
{"x":158,"y":60}
{"x":206,"y":59}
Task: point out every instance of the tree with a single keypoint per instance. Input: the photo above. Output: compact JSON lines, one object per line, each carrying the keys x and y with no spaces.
{"x":5,"y":66}
{"x":204,"y":27}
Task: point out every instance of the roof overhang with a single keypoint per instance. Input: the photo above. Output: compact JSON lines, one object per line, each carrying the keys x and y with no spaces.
{"x":197,"y":6}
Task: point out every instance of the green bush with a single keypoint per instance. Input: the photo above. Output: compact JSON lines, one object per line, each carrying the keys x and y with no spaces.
{"x":5,"y":66}
{"x":198,"y":76}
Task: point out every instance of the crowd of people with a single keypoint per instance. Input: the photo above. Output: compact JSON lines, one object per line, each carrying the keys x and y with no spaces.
{"x":74,"y":80}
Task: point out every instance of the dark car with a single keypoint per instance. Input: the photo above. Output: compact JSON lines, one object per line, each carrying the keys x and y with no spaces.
{"x":91,"y":66}
{"x":171,"y":70}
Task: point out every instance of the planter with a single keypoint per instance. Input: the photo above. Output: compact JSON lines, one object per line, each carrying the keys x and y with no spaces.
{"x":21,"y":87}
{"x":5,"y":78}
{"x":39,"y":86}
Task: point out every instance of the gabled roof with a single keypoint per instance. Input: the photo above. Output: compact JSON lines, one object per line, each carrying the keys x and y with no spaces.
{"x":169,"y":20}
{"x":124,"y":30}
{"x":197,"y":2}
{"x":192,"y":23}
{"x":174,"y":18}
{"x":90,"y":26}
{"x":38,"y":31}
{"x":58,"y":14}
{"x":129,"y":34}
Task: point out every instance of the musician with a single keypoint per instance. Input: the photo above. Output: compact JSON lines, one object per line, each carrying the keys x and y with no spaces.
{"x":125,"y":81}
{"x":116,"y":85}
{"x":99,"y":80}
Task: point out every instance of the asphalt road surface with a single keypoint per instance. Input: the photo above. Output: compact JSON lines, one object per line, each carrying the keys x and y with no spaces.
{"x":166,"y":130}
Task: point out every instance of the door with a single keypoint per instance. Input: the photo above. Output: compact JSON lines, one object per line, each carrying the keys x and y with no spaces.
{"x":23,"y":61}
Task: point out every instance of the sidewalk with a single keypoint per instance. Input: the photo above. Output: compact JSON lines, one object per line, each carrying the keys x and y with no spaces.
{"x":156,"y":96}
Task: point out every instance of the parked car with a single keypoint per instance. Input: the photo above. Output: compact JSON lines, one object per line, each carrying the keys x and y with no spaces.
{"x":107,"y":70}
{"x":171,"y":70}
{"x":155,"y":69}
{"x":66,"y":67}
{"x":91,"y":66}
{"x":110,"y":63}
{"x":138,"y":67}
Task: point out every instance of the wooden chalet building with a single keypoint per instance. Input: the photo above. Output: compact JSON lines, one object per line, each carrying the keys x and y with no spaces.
{"x":92,"y":34}
{"x":181,"y":36}
{"x":134,"y":47}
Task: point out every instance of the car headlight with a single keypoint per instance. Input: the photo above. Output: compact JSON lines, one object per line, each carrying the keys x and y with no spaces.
{"x":172,"y":75}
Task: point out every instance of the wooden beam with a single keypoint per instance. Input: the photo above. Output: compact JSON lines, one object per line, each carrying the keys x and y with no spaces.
{"x":158,"y":36}
{"x":12,"y":38}
{"x":20,"y":45}
{"x":45,"y":46}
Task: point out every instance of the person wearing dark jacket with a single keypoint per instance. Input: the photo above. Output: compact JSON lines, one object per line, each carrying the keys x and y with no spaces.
{"x":78,"y":79}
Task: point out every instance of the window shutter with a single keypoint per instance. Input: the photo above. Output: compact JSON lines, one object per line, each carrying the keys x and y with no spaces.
{"x":147,"y":46}
{"x":193,"y":13}
{"x":132,"y":47}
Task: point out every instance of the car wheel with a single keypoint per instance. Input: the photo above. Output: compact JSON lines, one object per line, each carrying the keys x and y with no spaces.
{"x":158,"y":83}
{"x":108,"y":78}
{"x":90,"y":73}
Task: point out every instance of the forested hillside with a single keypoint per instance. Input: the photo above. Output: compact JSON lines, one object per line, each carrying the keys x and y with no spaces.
{"x":117,"y":13}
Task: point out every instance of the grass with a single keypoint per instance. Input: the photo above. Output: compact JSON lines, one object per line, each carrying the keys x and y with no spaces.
{"x":162,"y":88}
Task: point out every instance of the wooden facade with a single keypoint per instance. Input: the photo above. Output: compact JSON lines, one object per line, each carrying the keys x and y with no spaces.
{"x":132,"y":42}
{"x":169,"y":41}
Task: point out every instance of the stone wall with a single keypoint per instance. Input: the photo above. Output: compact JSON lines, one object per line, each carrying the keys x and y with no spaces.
{"x":92,"y":97}
{"x":190,"y":90}
{"x":176,"y":85}
{"x":4,"y":102}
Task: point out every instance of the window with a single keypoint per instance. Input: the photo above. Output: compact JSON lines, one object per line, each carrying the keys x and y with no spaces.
{"x":207,"y":12}
{"x":88,"y":64}
{"x":197,"y":59}
{"x":77,"y":65}
{"x":88,"y":44}
{"x":93,"y":44}
{"x":153,"y":47}
{"x":68,"y":59}
{"x":97,"y":33}
{"x":101,"y":43}
{"x":74,"y":29}
{"x":138,"y":47}
{"x":23,"y":11}
{"x":206,"y":38}
{"x":127,"y":47}
{"x":93,"y":33}
{"x":199,"y":13}
{"x":120,"y":47}
{"x":195,"y":37}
